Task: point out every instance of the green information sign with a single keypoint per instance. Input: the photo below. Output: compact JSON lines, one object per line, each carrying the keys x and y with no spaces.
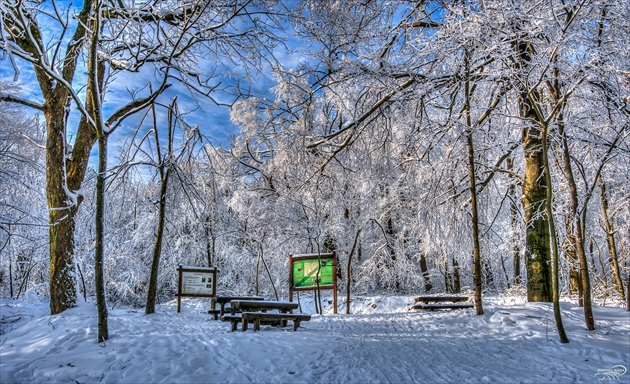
{"x":310,"y":272}
{"x":313,"y":272}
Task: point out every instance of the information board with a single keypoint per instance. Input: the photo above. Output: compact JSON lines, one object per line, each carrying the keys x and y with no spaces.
{"x":313,"y":272}
{"x":196,"y":282}
{"x":310,"y":272}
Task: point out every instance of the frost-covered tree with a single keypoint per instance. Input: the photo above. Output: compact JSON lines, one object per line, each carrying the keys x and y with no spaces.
{"x":170,"y":39}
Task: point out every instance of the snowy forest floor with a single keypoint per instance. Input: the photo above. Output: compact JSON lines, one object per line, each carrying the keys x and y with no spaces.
{"x":382,"y":342}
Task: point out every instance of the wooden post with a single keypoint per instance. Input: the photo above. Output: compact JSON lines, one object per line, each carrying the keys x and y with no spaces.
{"x":291,"y":277}
{"x":335,"y":281}
{"x":179,"y":289}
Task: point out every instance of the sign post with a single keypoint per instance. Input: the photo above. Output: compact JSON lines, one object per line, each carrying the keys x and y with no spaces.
{"x":196,"y":282}
{"x":313,"y":272}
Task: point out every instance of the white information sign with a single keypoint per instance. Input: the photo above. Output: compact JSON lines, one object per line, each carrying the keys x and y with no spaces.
{"x":197,"y":283}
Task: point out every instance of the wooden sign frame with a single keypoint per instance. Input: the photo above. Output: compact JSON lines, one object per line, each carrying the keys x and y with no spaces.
{"x":194,"y":282}
{"x":314,"y":257}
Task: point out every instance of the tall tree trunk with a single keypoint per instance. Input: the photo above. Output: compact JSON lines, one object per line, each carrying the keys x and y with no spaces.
{"x":349,"y":271}
{"x":575,"y":282}
{"x":425,"y":272}
{"x":94,"y":94}
{"x":164,"y":169}
{"x":610,"y":241}
{"x":537,"y":237}
{"x":457,"y":285}
{"x":99,"y":280}
{"x":157,"y":250}
{"x":211,"y":241}
{"x":577,"y":229}
{"x":554,"y":243}
{"x":514,"y":219}
{"x":448,"y":288}
{"x":390,"y":235}
{"x":61,"y":211}
{"x":473,"y":192}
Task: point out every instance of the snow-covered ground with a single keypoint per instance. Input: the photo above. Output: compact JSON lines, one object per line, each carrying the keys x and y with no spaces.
{"x":382,"y":342}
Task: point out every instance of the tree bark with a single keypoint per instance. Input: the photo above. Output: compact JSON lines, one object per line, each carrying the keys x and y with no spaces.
{"x":425,"y":272}
{"x":514,"y":219}
{"x":554,"y":244}
{"x":62,"y":211}
{"x":477,"y":274}
{"x":164,"y":169}
{"x":99,"y":273}
{"x":537,"y":237}
{"x":575,"y":282}
{"x":610,"y":241}
{"x":157,"y":250}
{"x":349,"y":271}
{"x":576,"y":227}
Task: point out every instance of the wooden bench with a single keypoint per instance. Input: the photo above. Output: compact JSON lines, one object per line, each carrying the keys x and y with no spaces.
{"x":259,"y":318}
{"x":261,"y":306}
{"x":438,"y":302}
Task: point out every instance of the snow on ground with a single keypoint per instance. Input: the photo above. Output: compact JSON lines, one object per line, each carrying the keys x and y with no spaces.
{"x":382,"y":342}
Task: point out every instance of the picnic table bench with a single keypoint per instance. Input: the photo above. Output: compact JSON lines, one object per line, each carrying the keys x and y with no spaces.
{"x":441,"y":302}
{"x":264,"y":318}
{"x":261,"y":306}
{"x":223,"y":300}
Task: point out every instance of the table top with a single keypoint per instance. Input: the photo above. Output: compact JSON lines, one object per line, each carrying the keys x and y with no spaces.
{"x":227,"y":299}
{"x":263,"y":304}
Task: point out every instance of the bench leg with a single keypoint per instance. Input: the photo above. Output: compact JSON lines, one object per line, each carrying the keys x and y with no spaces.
{"x":283,"y":323}
{"x":233,"y":323}
{"x":256,"y":325}
{"x":296,"y":325}
{"x":244,"y":325}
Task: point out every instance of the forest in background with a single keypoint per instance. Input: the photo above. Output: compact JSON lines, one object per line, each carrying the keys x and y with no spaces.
{"x":420,"y":140}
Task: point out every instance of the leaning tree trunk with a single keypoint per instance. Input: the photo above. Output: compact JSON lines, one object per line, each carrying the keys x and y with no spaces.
{"x":164,"y":171}
{"x":157,"y":250}
{"x":610,"y":240}
{"x":576,"y":229}
{"x":554,"y":242}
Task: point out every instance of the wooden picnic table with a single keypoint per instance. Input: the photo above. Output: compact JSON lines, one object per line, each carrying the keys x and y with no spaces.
{"x":261,"y":306}
{"x":223,"y":300}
